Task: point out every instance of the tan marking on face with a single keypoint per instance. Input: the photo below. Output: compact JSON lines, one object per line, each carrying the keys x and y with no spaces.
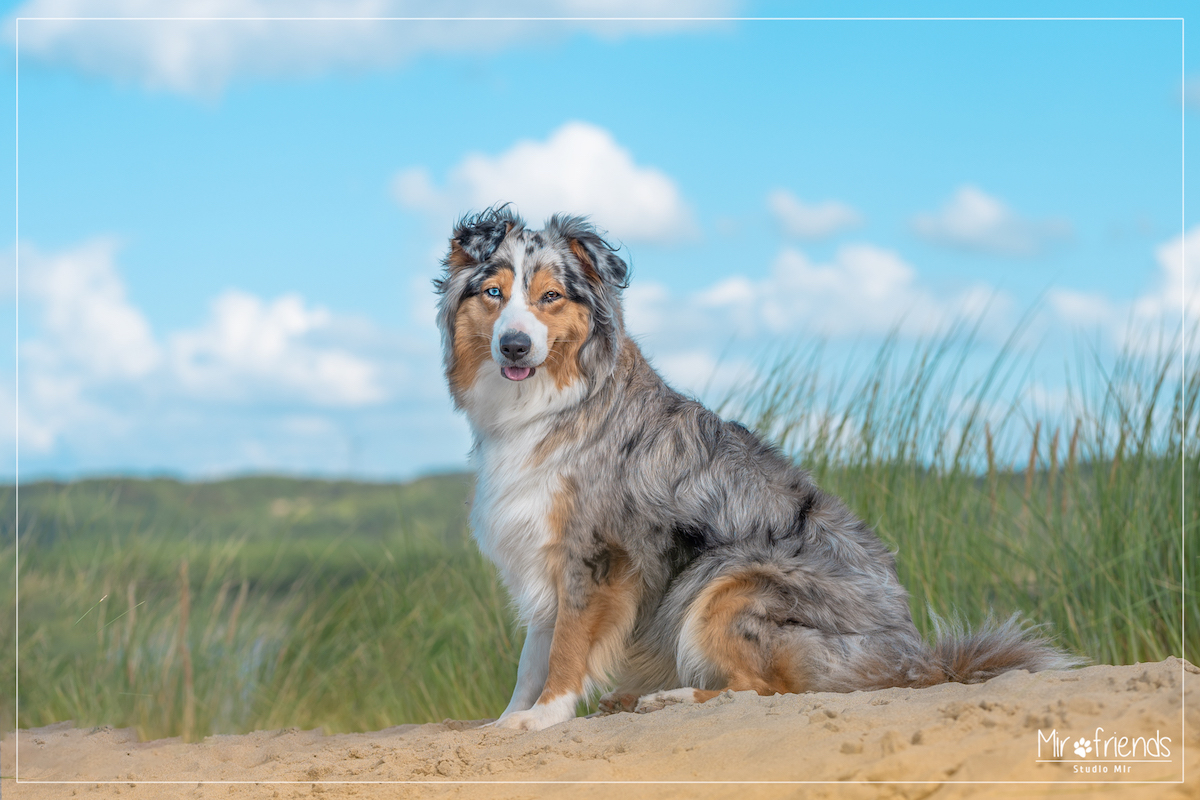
{"x":473,"y":325}
{"x":747,"y":665}
{"x":566,"y":323}
{"x":589,"y":637}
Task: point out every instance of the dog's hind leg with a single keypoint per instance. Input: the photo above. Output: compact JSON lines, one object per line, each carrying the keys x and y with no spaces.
{"x":730,"y":640}
{"x":645,"y":668}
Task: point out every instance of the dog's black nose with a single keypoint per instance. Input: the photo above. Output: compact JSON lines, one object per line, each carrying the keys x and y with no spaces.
{"x":515,"y":345}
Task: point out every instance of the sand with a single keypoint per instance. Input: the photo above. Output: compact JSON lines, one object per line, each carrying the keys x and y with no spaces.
{"x":943,"y":742}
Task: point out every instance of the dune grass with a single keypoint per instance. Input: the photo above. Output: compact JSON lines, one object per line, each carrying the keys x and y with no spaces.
{"x":139,"y":608}
{"x":1068,"y":511}
{"x":262,"y":603}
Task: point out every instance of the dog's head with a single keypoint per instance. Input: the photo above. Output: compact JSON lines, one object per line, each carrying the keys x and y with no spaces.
{"x":529,"y":306}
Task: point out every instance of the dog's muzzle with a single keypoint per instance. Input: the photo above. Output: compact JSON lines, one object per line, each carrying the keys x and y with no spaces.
{"x":514,"y":346}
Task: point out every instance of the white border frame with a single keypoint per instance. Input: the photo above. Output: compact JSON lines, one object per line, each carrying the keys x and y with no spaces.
{"x":16,"y":398}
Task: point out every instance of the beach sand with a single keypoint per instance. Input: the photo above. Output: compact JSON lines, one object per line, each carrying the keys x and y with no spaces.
{"x":948,"y":741}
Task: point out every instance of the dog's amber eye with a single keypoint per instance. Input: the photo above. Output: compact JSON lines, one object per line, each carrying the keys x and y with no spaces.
{"x":550,"y":297}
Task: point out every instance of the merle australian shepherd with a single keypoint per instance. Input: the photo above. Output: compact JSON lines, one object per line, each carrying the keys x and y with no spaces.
{"x":642,"y":537}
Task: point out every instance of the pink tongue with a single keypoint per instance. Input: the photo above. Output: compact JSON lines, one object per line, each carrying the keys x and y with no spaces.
{"x":516,"y":373}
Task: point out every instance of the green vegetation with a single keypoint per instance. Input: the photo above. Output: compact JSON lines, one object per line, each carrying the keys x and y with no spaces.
{"x":1070,"y":514}
{"x":346,"y":606}
{"x":258,"y":603}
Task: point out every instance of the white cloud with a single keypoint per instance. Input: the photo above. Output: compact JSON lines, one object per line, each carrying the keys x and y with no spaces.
{"x":1173,"y":292}
{"x":864,"y":289}
{"x":251,"y":349}
{"x":734,"y":291}
{"x":579,"y":169}
{"x":1087,"y":309}
{"x":711,"y":339}
{"x":643,"y":303}
{"x":201,"y":55}
{"x":803,"y":221}
{"x":698,"y":372}
{"x":975,"y":221}
{"x":49,"y":405}
{"x":1178,"y":286}
{"x":86,"y":322}
{"x":88,"y":336}
{"x":90,"y":363}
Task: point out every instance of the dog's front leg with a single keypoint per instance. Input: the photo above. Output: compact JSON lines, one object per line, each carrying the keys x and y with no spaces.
{"x":590,"y":628}
{"x":563,"y":681}
{"x":532,"y":670}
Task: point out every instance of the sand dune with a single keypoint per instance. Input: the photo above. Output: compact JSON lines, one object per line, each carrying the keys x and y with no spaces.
{"x":945,"y":742}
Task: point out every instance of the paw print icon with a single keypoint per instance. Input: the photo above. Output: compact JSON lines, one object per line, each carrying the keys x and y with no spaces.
{"x":1083,"y":747}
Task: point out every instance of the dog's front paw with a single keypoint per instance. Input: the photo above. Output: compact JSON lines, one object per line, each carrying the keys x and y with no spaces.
{"x":537,"y":718}
{"x":514,"y":721}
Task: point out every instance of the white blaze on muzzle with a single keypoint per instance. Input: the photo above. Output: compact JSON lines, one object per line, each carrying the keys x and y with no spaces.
{"x":518,"y":318}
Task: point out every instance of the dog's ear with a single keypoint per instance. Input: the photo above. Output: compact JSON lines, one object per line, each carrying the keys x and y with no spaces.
{"x":598,"y":258}
{"x":477,"y":236}
{"x":475,"y":239}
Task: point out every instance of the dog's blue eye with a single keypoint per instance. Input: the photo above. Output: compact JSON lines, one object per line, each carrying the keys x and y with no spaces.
{"x":492,"y":292}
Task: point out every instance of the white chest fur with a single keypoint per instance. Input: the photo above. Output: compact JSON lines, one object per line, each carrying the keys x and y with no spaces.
{"x":510,"y":520}
{"x":514,"y":491}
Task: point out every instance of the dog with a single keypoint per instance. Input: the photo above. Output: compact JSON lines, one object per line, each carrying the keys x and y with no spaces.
{"x":641,"y":536}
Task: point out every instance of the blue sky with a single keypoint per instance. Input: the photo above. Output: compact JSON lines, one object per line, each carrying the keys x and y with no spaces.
{"x":227,"y":229}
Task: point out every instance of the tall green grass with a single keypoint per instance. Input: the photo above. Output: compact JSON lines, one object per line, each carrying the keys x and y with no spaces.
{"x":261,"y":603}
{"x":174,"y":625}
{"x":1070,"y":512}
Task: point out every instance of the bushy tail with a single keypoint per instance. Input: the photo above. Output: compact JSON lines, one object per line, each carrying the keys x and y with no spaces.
{"x":959,"y":655}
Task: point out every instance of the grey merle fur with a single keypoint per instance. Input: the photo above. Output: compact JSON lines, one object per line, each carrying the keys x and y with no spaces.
{"x":685,"y":498}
